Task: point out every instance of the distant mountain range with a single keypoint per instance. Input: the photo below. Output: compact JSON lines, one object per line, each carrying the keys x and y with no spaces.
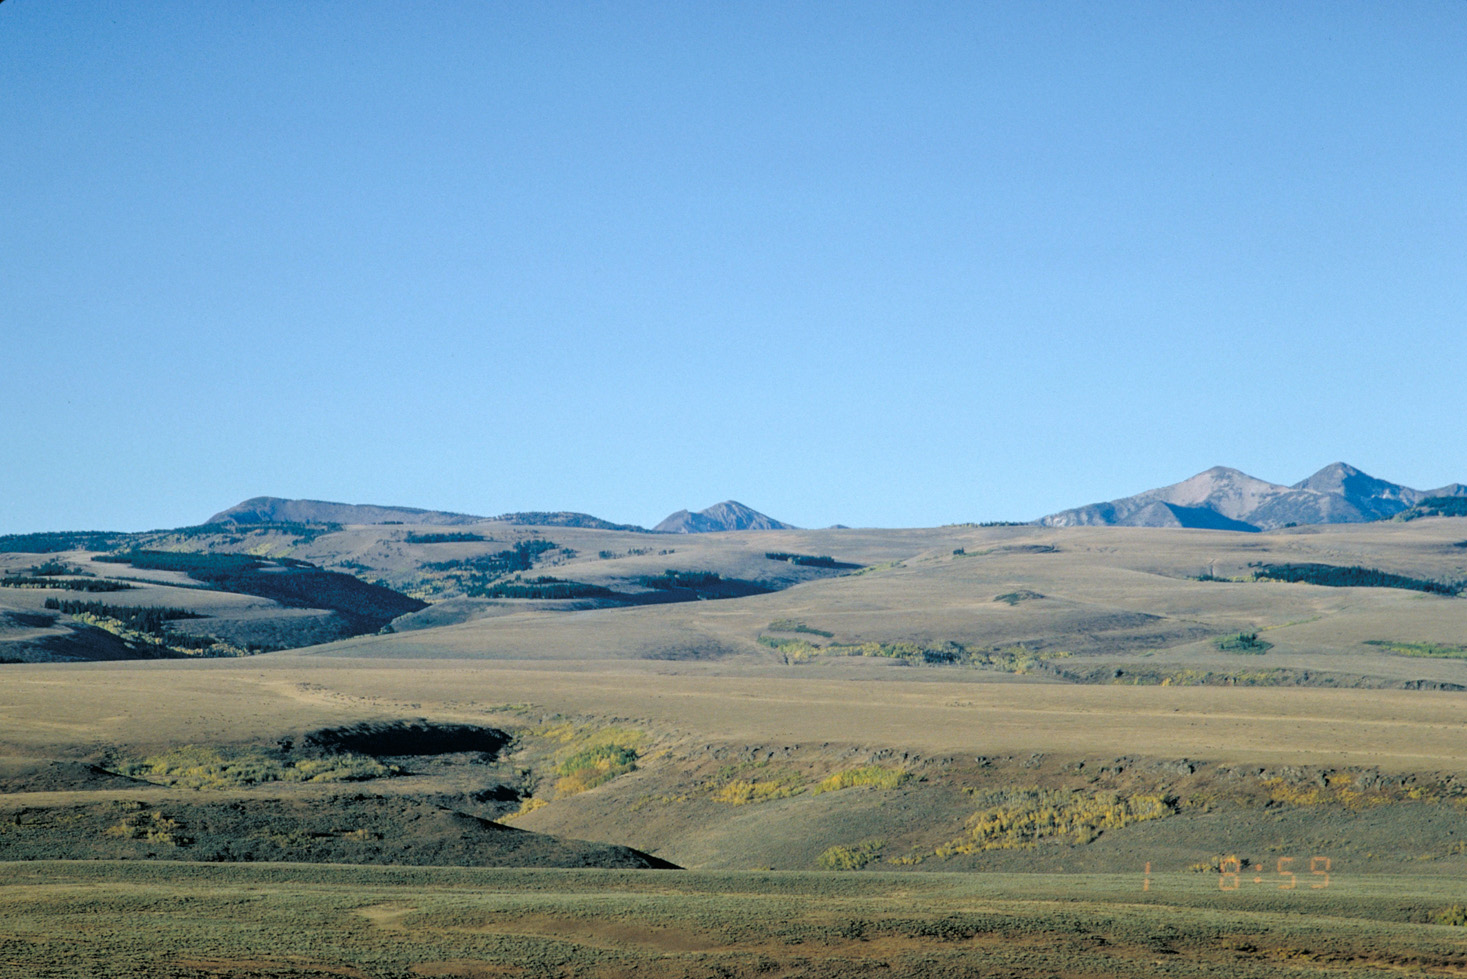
{"x":728,"y":515}
{"x":272,"y":509}
{"x":1226,"y":499}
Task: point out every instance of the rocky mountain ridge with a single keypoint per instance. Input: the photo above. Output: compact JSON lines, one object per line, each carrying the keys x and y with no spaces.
{"x":1228,"y":499}
{"x":728,"y":515}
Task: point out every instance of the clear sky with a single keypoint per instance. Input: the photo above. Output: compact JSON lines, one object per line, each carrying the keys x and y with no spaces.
{"x":881,"y":264}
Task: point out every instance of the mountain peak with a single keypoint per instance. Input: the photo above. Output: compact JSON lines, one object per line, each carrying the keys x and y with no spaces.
{"x":728,"y":515}
{"x":1332,"y":475}
{"x":1338,"y":493}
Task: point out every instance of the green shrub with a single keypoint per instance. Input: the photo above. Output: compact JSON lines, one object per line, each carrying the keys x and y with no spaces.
{"x":591,"y":756}
{"x":1456,"y":915}
{"x":1244,"y":642}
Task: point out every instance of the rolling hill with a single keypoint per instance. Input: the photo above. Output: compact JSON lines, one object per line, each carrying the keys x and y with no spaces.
{"x":272,"y":509}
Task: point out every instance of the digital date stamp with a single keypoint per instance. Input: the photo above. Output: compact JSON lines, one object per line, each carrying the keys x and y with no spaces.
{"x":1287,"y":873}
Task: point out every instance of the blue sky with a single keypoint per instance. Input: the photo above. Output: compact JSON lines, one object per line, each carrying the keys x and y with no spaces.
{"x":893,"y":264}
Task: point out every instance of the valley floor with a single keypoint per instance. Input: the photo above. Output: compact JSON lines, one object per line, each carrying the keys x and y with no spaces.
{"x":192,"y":921}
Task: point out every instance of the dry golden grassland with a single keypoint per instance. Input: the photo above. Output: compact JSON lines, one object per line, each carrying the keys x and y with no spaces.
{"x":1084,"y":601}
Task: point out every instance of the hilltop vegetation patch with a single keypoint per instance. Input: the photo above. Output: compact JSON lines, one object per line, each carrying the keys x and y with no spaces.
{"x":682,"y":586}
{"x":1353,"y":576}
{"x":53,"y":542}
{"x":235,"y":533}
{"x":294,"y":584}
{"x":1436,"y":506}
{"x":566,"y":518}
{"x":94,"y":540}
{"x":482,"y":576}
{"x":149,"y":618}
{"x":448,"y":538}
{"x":520,"y":557}
{"x":545,"y":587}
{"x":64,"y":584}
{"x":812,"y":561}
{"x":1425,"y":650}
{"x":1009,"y":659}
{"x":144,"y":630}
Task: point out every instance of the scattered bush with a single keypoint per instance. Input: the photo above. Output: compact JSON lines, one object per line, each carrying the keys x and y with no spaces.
{"x":793,"y":625}
{"x":153,"y":827}
{"x":1022,"y":818}
{"x":1012,"y":659}
{"x":593,"y":766}
{"x":742,"y":792}
{"x":1456,"y":916}
{"x":201,"y":767}
{"x":875,"y":776}
{"x":591,"y":756}
{"x":850,"y":857}
{"x":753,"y":782}
{"x":1244,"y":642}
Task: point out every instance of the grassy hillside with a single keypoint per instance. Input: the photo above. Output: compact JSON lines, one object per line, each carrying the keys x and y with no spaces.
{"x":1072,"y":705}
